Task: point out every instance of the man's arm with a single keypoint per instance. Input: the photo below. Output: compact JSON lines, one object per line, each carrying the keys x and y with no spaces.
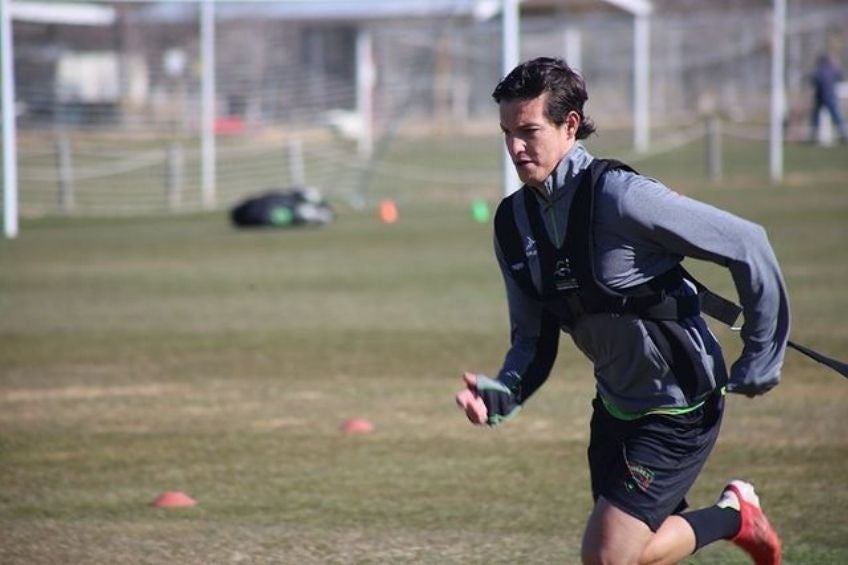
{"x":686,"y":227}
{"x":534,"y":342}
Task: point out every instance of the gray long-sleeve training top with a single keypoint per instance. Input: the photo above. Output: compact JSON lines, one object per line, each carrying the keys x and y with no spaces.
{"x":643,"y":229}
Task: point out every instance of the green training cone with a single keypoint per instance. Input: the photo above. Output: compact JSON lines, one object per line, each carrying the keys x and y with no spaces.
{"x":480,"y":211}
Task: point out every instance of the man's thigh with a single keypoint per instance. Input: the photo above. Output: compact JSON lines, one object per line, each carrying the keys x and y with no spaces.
{"x":614,"y":536}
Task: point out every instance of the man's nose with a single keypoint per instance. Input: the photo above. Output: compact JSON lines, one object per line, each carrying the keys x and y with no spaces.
{"x":514,"y":145}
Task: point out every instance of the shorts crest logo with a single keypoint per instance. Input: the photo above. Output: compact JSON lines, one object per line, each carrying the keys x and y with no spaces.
{"x":638,"y":477}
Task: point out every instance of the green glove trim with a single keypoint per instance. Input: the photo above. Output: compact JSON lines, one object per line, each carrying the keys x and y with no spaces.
{"x":485,"y":383}
{"x":496,"y":419}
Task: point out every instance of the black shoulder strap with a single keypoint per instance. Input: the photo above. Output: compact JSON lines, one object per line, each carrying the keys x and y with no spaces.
{"x":509,"y":241}
{"x":504,"y":225}
{"x":601,"y":166}
{"x":581,"y":220}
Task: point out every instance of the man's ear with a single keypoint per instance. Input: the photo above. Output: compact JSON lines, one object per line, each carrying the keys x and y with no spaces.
{"x":572,"y":123}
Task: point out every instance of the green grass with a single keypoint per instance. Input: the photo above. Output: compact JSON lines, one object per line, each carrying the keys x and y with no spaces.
{"x":159,"y":353}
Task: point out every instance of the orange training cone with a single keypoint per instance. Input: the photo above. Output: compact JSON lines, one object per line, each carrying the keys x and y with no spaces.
{"x":388,"y":211}
{"x":357,"y":426}
{"x":173,"y":499}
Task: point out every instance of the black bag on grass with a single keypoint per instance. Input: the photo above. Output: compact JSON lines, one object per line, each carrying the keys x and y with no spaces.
{"x":281,"y":209}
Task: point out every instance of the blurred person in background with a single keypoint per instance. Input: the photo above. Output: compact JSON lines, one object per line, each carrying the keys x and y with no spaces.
{"x":590,"y":247}
{"x":825,"y":80}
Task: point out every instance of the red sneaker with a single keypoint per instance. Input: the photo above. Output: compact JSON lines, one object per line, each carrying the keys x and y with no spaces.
{"x":756,"y":535}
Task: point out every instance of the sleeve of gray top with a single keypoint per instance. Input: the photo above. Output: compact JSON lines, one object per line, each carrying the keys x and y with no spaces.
{"x":651,"y":214}
{"x":534,"y":337}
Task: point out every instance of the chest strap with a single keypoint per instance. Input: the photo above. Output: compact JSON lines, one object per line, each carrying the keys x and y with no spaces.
{"x":569,"y":284}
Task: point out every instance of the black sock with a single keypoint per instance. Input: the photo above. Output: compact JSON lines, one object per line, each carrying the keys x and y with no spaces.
{"x":713,"y":523}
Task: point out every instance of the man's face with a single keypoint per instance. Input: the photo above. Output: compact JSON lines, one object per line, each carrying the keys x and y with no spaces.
{"x":534,"y":143}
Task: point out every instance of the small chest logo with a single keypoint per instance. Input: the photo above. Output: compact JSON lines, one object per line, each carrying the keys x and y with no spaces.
{"x":563,"y":277}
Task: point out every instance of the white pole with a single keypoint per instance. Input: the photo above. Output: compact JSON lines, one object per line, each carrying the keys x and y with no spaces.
{"x":297,"y":170}
{"x":510,"y":44}
{"x":175,"y":159}
{"x":365,"y":79}
{"x":778,"y":62}
{"x":10,"y":156}
{"x":572,"y":41}
{"x":641,"y":82}
{"x":64,"y":166}
{"x":207,"y":127}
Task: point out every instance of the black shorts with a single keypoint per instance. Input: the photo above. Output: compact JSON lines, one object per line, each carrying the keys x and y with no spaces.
{"x":646,"y":466}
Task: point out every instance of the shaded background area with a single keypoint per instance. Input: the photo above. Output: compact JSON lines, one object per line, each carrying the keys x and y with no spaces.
{"x":110,"y":114}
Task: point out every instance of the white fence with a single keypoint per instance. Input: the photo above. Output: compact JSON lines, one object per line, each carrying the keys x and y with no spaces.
{"x":109,"y":116}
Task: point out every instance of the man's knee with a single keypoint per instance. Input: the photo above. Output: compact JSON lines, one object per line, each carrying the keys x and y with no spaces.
{"x":603,"y":556}
{"x":591,"y":557}
{"x":613,"y":537}
{"x":608,"y":556}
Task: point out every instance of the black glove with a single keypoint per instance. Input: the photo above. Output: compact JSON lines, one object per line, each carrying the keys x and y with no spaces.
{"x":500,"y":397}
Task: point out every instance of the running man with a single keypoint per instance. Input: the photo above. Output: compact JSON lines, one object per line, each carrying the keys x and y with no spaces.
{"x":592,"y":248}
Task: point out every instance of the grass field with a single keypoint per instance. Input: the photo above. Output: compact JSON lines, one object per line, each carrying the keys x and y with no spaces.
{"x":142,"y":355}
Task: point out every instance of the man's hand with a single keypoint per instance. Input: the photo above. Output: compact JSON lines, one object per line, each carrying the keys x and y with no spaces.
{"x":486,"y":401}
{"x":743,"y":381}
{"x":751,"y":389}
{"x":470,"y":401}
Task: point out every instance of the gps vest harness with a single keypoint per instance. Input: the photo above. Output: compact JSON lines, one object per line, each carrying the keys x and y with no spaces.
{"x":570,"y":288}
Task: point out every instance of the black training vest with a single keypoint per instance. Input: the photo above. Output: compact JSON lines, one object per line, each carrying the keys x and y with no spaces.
{"x":570,"y":288}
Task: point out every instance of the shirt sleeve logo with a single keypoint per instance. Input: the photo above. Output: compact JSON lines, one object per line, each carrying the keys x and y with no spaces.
{"x":530,"y":247}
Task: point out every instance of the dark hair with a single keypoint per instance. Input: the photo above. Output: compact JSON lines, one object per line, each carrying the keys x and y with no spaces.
{"x":545,"y":74}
